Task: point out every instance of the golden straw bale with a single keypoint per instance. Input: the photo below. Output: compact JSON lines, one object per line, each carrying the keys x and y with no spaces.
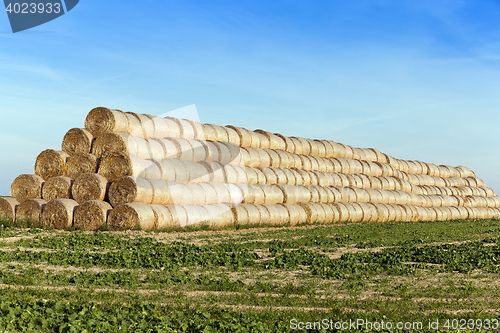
{"x":101,"y":120}
{"x":254,"y":214}
{"x":80,"y":163}
{"x":129,"y":189}
{"x":312,"y":215}
{"x":89,"y":186}
{"x":31,"y":210}
{"x":117,"y":164}
{"x":314,"y":193}
{"x":240,"y":214}
{"x":8,"y":208}
{"x":274,"y":158}
{"x":108,"y":142}
{"x":211,"y":132}
{"x":289,"y":144}
{"x":314,"y":149}
{"x":58,"y":213}
{"x":26,"y":187}
{"x":165,"y":219}
{"x":234,"y":156}
{"x":135,"y":215}
{"x":51,"y":163}
{"x":92,"y":215}
{"x":271,"y":177}
{"x":281,"y":177}
{"x":296,"y":214}
{"x":233,"y":136}
{"x":244,"y":135}
{"x":187,"y":128}
{"x":278,"y":215}
{"x":265,"y":215}
{"x":57,"y":188}
{"x":299,"y":149}
{"x":77,"y":140}
{"x":275,"y":142}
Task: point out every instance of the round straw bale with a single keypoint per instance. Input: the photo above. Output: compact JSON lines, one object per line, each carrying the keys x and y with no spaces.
{"x":164,"y":218}
{"x":275,"y":142}
{"x":299,"y":149}
{"x":464,"y":171}
{"x":273,"y":195}
{"x":89,"y":186}
{"x":30,"y":210}
{"x":259,"y":196}
{"x":161,"y":129}
{"x":100,"y":120}
{"x":279,"y":215}
{"x":77,"y":140}
{"x":51,"y":163}
{"x":26,"y":187}
{"x":135,"y":215}
{"x":8,"y":208}
{"x":80,"y":163}
{"x":254,"y":214}
{"x":240,"y":215}
{"x":270,"y":175}
{"x":187,"y":130}
{"x":58,"y":213}
{"x":129,"y":189}
{"x":275,"y":160}
{"x":199,"y":195}
{"x":263,"y":140}
{"x":108,"y":142}
{"x":311,"y":212}
{"x":232,"y":135}
{"x":281,"y":177}
{"x":215,"y":171}
{"x":170,"y":147}
{"x":314,"y":193}
{"x":289,"y":144}
{"x":265,"y":215}
{"x":314,"y":149}
{"x":219,"y":216}
{"x":296,"y":214}
{"x":117,"y":164}
{"x":92,"y":215}
{"x":211,"y":132}
{"x":244,"y":135}
{"x":57,"y":188}
{"x":233,"y":152}
{"x":143,"y":126}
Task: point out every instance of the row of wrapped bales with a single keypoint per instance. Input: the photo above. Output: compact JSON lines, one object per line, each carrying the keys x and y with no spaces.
{"x":128,"y":170}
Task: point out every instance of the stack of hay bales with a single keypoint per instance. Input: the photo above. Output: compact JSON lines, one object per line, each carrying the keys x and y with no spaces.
{"x":128,"y":170}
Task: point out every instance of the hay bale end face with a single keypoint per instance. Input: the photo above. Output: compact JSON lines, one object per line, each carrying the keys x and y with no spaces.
{"x":89,"y":186}
{"x":26,"y":187}
{"x":51,"y":163}
{"x":80,"y":163}
{"x":8,"y":208}
{"x":136,"y":215}
{"x":57,"y":188}
{"x":92,"y":215}
{"x":77,"y":140}
{"x":58,"y":214}
{"x":31,"y":210}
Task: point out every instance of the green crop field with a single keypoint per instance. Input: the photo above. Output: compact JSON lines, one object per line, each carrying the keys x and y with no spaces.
{"x":300,"y":279}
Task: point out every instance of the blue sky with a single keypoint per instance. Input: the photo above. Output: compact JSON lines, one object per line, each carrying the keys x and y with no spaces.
{"x":416,"y":80}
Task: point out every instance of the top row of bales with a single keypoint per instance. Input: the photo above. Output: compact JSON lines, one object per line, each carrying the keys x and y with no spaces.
{"x":103,"y":120}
